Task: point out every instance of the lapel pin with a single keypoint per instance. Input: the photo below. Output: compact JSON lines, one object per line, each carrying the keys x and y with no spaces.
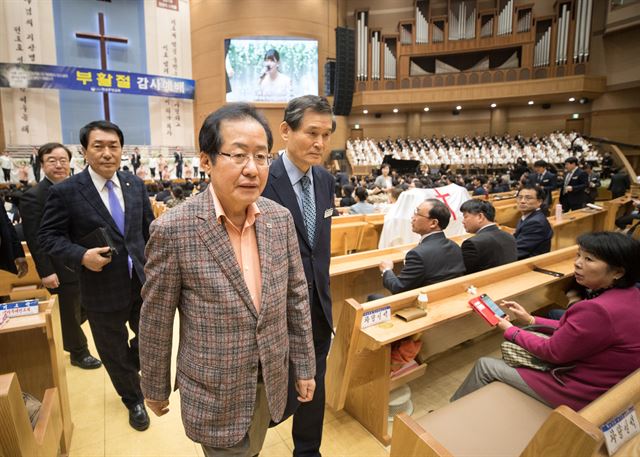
{"x":128,"y":184}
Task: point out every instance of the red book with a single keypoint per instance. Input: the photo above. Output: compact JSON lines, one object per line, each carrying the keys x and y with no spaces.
{"x":487,"y":314}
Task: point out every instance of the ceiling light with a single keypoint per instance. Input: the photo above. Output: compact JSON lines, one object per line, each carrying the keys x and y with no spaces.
{"x":493,"y":105}
{"x":572,"y":99}
{"x":365,"y":111}
{"x":426,"y":108}
{"x":357,"y":126}
{"x":530,"y":102}
{"x":458,"y":107}
{"x":395,"y":110}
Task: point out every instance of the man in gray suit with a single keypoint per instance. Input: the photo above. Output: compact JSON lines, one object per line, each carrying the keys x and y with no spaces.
{"x":434,"y":259}
{"x":237,"y":279}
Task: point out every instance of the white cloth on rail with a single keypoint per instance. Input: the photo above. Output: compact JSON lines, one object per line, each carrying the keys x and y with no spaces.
{"x":397,"y":221}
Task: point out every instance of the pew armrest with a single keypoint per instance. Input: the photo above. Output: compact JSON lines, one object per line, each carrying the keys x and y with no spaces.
{"x":409,"y":439}
{"x":16,"y":435}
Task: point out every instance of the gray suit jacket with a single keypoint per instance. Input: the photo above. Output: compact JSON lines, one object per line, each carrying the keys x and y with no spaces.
{"x":191,"y":266}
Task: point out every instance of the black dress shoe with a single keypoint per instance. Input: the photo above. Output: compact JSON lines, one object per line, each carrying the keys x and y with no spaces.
{"x":138,"y":417}
{"x":88,"y":362}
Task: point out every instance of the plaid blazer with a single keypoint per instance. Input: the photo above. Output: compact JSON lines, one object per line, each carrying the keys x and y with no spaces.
{"x":191,"y":266}
{"x":73,"y":210}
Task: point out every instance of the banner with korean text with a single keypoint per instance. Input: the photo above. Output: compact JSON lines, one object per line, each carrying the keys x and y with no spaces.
{"x":24,"y":76}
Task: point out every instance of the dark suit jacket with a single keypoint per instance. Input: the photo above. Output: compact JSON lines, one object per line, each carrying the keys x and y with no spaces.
{"x":620,"y":182}
{"x":72,"y":211}
{"x":179,"y":158}
{"x":533,"y":235}
{"x":316,"y":258}
{"x":577,"y":197}
{"x":549,"y":183}
{"x":435,"y":259}
{"x":10,"y":247}
{"x":490,"y":247}
{"x":32,"y":206}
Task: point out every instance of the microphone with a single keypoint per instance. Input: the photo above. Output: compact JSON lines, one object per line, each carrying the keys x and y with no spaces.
{"x":265,"y":69}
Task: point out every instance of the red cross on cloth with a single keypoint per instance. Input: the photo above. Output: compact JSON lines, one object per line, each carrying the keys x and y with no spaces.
{"x":444,"y":199}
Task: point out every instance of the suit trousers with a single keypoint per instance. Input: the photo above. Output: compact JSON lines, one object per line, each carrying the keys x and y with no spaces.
{"x":73,"y":339}
{"x":309,"y":417}
{"x":488,"y":369}
{"x":119,"y":355}
{"x":252,"y":442}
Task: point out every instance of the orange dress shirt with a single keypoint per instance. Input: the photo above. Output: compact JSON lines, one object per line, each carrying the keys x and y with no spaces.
{"x":245,"y":247}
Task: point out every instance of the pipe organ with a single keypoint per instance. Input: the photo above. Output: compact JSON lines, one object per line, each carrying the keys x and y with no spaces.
{"x":361,"y":45}
{"x":554,"y":45}
{"x":583,"y":30}
{"x":505,"y":19}
{"x":462,"y":20}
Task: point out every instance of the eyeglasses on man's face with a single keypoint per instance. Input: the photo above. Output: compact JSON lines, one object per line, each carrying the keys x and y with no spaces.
{"x":416,"y":213}
{"x":527,"y":198}
{"x":53,"y":161}
{"x":261,"y":159}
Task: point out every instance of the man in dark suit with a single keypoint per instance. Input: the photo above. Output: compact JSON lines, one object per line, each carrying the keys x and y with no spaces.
{"x":110,"y":280}
{"x":59,"y":279}
{"x":179,"y":158}
{"x":299,"y":182}
{"x":490,"y":247}
{"x":12,"y":257}
{"x":434,"y":259}
{"x":533,"y":232}
{"x":136,"y":160}
{"x":620,"y":183}
{"x":35,"y":164}
{"x":572,"y":195}
{"x":543,"y":178}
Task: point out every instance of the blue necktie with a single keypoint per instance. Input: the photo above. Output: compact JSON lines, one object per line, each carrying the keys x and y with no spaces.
{"x":118,"y":216}
{"x":309,"y":208}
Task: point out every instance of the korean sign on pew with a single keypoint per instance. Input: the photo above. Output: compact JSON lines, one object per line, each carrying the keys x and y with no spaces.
{"x":24,"y":76}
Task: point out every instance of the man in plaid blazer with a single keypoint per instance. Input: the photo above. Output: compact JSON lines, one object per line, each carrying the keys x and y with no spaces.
{"x":110,"y":282}
{"x":228,"y":260}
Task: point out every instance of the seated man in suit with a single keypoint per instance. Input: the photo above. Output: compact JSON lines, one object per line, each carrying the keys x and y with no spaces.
{"x":490,"y":247}
{"x":533,"y":232}
{"x":572,"y":195}
{"x":434,"y":259}
{"x":543,"y":178}
{"x":12,"y":258}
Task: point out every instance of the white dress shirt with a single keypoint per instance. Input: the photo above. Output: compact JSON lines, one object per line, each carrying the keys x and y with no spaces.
{"x":103,"y":191}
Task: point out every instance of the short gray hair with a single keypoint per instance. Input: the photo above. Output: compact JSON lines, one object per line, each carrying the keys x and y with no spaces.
{"x":294,"y":112}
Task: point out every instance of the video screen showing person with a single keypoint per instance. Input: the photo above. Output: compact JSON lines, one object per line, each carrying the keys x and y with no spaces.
{"x":270,"y":69}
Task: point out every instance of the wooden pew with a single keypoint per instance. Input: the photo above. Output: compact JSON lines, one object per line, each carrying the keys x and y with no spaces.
{"x":16,"y":435}
{"x":616,"y":208}
{"x":358,"y":371}
{"x":574,"y":224}
{"x":346,"y":219}
{"x":564,"y":432}
{"x":31,"y":346}
{"x":371,"y":234}
{"x":345,"y":237}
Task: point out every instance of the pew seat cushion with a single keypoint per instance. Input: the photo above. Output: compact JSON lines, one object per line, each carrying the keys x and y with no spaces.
{"x":496,"y":420}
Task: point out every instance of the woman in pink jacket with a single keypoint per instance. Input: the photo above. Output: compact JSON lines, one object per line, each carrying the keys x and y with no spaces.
{"x":599,"y":335}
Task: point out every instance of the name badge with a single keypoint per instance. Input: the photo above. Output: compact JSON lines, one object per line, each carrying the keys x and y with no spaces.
{"x":328,"y":213}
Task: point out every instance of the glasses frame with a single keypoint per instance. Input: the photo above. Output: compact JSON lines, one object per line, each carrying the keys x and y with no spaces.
{"x":245,"y":161}
{"x":416,"y":213}
{"x":54,"y":162}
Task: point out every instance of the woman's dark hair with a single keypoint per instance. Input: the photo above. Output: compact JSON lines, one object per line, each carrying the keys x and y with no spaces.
{"x":48,"y":149}
{"x":178,"y":192}
{"x":617,"y":251}
{"x":272,"y":54}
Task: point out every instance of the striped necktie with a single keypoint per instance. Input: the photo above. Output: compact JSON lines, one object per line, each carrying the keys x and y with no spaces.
{"x":308,"y":208}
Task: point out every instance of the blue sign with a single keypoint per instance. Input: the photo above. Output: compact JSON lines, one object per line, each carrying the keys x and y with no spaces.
{"x":17,"y":75}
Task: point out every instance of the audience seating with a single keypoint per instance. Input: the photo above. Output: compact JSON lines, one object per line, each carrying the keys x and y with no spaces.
{"x":358,"y":370}
{"x":17,"y":438}
{"x":8,"y":281}
{"x":517,"y":425}
{"x":346,"y":237}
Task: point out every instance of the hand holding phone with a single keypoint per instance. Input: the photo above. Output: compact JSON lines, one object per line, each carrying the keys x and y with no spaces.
{"x":492,"y":305}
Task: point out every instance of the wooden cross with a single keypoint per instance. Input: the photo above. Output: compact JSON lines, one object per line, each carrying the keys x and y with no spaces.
{"x":100,"y":36}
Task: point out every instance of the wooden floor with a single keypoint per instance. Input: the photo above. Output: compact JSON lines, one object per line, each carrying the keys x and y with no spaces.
{"x":102,"y":428}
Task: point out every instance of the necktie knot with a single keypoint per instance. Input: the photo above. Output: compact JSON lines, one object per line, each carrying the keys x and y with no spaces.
{"x":110,"y":185}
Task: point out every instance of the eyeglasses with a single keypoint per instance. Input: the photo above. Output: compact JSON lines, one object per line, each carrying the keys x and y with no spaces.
{"x":525,"y":197}
{"x":261,"y":159}
{"x":52,"y":161}
{"x":416,"y":213}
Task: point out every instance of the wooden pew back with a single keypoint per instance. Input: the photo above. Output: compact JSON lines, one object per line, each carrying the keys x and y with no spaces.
{"x":16,"y":435}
